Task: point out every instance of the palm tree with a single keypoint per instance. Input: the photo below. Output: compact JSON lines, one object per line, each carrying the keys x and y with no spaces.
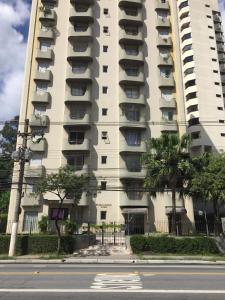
{"x":168,"y":166}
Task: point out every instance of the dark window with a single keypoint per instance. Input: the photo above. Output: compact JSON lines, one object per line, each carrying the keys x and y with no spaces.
{"x":215,"y":71}
{"x":106,"y":11}
{"x":192,"y":108}
{"x":213,"y":59}
{"x":190,"y":83}
{"x":104,"y":160}
{"x":188,"y":59}
{"x":104,"y":89}
{"x":191,"y":96}
{"x":192,"y":122}
{"x":58,"y":214}
{"x":105,"y":69}
{"x":183,"y":4}
{"x":222,"y":134}
{"x":212,"y":48}
{"x":76,"y":137}
{"x":105,"y":29}
{"x":211,"y":37}
{"x":209,"y":17}
{"x":210,"y":27}
{"x":195,"y":135}
{"x":103,"y":215}
{"x":105,"y":48}
{"x":103,"y":185}
{"x":186,"y":37}
{"x":221,"y":121}
{"x":104,"y":111}
{"x":219,"y":107}
{"x":216,"y":83}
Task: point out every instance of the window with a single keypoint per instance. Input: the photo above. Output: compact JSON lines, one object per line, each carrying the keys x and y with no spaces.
{"x":211,"y":37}
{"x":104,"y":160}
{"x":192,"y":108}
{"x":104,"y":89}
{"x":165,"y":72}
{"x":105,"y":69}
{"x":219,"y":107}
{"x":187,"y":48}
{"x":218,"y":95}
{"x":43,"y":67}
{"x":183,"y":4}
{"x":210,"y":27}
{"x":45,"y":46}
{"x":105,"y":29}
{"x":167,"y":94}
{"x":104,"y":112}
{"x":195,"y":135}
{"x":80,"y":47}
{"x":133,"y":163}
{"x":81,"y":7}
{"x":167,"y":114}
{"x":209,"y":17}
{"x":132,"y":113}
{"x":215,"y":71}
{"x":186,"y":37}
{"x":131,"y":30}
{"x":77,"y":112}
{"x":41,"y":87}
{"x":105,"y":11}
{"x":59,"y":213}
{"x":222,"y":134}
{"x":131,"y":11}
{"x":132,"y":92}
{"x":78,"y":90}
{"x":190,"y":83}
{"x":221,"y":121}
{"x":103,"y":215}
{"x":133,"y":138}
{"x":134,"y":190}
{"x":36,"y":159}
{"x":103,"y":185}
{"x":214,"y":59}
{"x":39,"y":110}
{"x":105,"y":48}
{"x":216,"y":83}
{"x":131,"y":50}
{"x":132,"y":71}
{"x":188,"y":71}
{"x":193,"y":121}
{"x":188,"y":59}
{"x":80,"y":27}
{"x":76,"y":137}
{"x":30,"y":220}
{"x":191,"y":96}
{"x":104,"y":135}
{"x":79,"y":68}
{"x":76,"y":162}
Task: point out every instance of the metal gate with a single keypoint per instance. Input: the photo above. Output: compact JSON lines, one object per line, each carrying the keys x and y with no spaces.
{"x":112,"y":234}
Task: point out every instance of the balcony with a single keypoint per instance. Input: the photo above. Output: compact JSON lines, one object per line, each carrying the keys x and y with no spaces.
{"x":85,"y":55}
{"x":166,"y":42}
{"x":125,"y":123}
{"x":43,"y":76}
{"x":43,"y":97}
{"x":31,"y":200}
{"x":125,"y":78}
{"x":130,"y":3}
{"x":34,"y":172}
{"x":69,"y":121}
{"x":41,"y":146}
{"x":166,"y":81}
{"x":165,"y":61}
{"x":223,"y":78}
{"x":124,"y":147}
{"x":223,"y":89}
{"x":220,"y":48}
{"x":217,"y":18}
{"x":126,"y":57}
{"x":39,"y":121}
{"x":131,"y":37}
{"x":47,"y":55}
{"x":85,"y":146}
{"x":161,"y":6}
{"x":83,"y":16}
{"x":127,"y":202}
{"x":126,"y":174}
{"x":85,"y":35}
{"x":222,"y":68}
{"x":79,"y":77}
{"x":222,"y":57}
{"x":129,"y":19}
{"x":169,"y":126}
{"x":218,"y":27}
{"x":219,"y":38}
{"x":46,"y":33}
{"x":162,"y":22}
{"x":163,"y":103}
{"x":123,"y":99}
{"x":82,"y":98}
{"x":48,"y":15}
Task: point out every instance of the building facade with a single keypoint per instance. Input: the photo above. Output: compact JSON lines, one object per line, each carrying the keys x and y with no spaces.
{"x":102,"y":77}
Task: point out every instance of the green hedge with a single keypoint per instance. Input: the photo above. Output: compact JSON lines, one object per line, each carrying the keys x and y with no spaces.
{"x":3,"y":223}
{"x":36,"y":244}
{"x":197,"y":245}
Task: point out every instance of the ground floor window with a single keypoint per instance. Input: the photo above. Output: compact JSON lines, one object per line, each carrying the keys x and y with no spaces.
{"x":60,"y":214}
{"x":30,"y":221}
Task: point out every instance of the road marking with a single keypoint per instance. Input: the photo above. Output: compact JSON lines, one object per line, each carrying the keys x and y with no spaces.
{"x":33,"y":291}
{"x":120,"y":281}
{"x":39,"y":266}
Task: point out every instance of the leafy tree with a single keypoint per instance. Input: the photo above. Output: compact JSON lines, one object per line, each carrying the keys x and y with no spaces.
{"x":64,"y":184}
{"x":168,"y":166}
{"x":208,"y":182}
{"x":8,"y":136}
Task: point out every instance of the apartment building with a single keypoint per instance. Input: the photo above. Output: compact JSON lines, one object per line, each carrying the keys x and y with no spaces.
{"x":102,"y":77}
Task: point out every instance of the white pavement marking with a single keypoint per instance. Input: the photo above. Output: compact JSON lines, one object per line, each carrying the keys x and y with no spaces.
{"x":33,"y":291}
{"x":39,"y":266}
{"x":117,"y":281}
{"x":88,"y":266}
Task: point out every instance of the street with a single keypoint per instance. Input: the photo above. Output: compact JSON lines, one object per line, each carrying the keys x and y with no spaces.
{"x":76,"y":281}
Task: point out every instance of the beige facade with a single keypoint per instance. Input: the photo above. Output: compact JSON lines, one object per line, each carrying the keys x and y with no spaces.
{"x":102,"y":77}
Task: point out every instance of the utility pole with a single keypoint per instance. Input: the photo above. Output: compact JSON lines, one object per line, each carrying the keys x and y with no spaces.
{"x":22,"y":159}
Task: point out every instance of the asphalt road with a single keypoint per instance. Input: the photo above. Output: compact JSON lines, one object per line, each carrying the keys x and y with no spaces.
{"x":98,"y":282}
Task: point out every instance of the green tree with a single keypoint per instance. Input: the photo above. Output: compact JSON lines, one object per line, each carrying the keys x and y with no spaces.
{"x":208,"y":182}
{"x":8,"y":136}
{"x":168,"y":166}
{"x":64,"y":184}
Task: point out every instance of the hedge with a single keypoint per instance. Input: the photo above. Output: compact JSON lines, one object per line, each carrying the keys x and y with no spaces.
{"x":3,"y":223}
{"x":36,"y":244}
{"x":163,"y":245}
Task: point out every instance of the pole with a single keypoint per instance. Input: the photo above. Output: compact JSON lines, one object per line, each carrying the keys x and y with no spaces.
{"x":12,"y":246}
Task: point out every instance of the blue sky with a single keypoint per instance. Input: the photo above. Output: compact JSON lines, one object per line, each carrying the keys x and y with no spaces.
{"x":14,"y":23}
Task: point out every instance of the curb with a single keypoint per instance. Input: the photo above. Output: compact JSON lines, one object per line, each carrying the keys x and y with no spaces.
{"x":111,"y":261}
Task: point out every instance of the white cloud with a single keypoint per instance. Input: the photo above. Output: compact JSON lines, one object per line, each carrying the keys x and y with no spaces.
{"x":13,"y":13}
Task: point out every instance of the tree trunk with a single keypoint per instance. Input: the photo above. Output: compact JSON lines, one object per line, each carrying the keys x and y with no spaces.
{"x":58,"y":228}
{"x":173,"y":221}
{"x":217,"y":217}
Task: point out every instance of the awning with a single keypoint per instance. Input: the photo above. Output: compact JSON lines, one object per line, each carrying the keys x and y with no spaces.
{"x":179,"y":210}
{"x":134,"y":210}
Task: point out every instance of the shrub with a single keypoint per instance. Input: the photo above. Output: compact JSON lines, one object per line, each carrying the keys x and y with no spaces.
{"x":43,"y":224}
{"x":70,"y":227}
{"x":3,"y":223}
{"x":198,"y":245}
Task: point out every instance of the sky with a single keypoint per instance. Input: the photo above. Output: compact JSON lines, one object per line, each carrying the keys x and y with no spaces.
{"x":14,"y":23}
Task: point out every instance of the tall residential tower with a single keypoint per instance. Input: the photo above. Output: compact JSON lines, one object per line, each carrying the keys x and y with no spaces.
{"x":102,"y":77}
